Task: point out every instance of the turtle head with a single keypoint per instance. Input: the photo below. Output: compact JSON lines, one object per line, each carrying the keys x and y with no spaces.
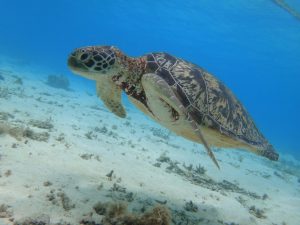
{"x":95,"y":61}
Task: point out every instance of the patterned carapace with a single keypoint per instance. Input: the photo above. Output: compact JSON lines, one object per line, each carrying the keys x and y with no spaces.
{"x":207,"y":99}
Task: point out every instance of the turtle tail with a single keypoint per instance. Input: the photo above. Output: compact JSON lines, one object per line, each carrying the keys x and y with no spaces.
{"x":269,"y":152}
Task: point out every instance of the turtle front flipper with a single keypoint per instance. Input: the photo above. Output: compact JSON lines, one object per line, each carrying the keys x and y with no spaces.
{"x":170,"y":108}
{"x":110,"y":95}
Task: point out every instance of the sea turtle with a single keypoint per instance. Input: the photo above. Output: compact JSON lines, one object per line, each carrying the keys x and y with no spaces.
{"x":177,"y":94}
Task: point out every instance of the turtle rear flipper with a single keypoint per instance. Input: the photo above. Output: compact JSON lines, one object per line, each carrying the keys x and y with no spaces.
{"x":156,"y":88}
{"x":197,"y":130}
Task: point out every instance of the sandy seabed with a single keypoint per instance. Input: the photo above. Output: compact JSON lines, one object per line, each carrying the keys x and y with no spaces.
{"x":65,"y":159}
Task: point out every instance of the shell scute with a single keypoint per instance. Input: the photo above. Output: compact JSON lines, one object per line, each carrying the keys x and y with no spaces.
{"x":208,"y":99}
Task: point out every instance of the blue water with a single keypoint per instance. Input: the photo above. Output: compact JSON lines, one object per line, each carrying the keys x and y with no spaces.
{"x":252,"y":46}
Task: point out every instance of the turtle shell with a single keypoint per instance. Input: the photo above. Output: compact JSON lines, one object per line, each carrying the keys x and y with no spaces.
{"x":209,"y":101}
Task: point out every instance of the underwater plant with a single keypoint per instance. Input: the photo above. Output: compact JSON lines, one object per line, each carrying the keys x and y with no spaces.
{"x":4,"y":92}
{"x":19,"y":132}
{"x":5,"y":211}
{"x":42,"y":124}
{"x":16,"y":132}
{"x":60,"y":81}
{"x":117,"y":214}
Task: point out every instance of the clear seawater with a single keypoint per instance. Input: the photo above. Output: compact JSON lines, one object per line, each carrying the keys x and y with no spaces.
{"x":252,"y":46}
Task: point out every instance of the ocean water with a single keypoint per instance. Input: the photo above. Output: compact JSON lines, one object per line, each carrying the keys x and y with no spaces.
{"x":253,"y":47}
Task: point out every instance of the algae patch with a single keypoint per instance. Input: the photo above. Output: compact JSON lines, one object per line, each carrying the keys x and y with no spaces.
{"x":60,"y":81}
{"x":116,"y":213}
{"x":19,"y":132}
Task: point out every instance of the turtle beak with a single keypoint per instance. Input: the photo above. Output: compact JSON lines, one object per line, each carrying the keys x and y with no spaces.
{"x":73,"y":62}
{"x":78,"y":67}
{"x":75,"y":65}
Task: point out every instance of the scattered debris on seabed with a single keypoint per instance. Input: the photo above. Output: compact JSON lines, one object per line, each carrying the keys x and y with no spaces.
{"x":100,"y":170}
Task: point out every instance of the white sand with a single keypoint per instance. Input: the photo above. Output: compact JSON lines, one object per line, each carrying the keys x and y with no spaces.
{"x":131,"y":154}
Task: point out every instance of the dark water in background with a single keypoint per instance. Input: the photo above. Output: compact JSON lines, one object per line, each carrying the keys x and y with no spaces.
{"x":253,"y":46}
